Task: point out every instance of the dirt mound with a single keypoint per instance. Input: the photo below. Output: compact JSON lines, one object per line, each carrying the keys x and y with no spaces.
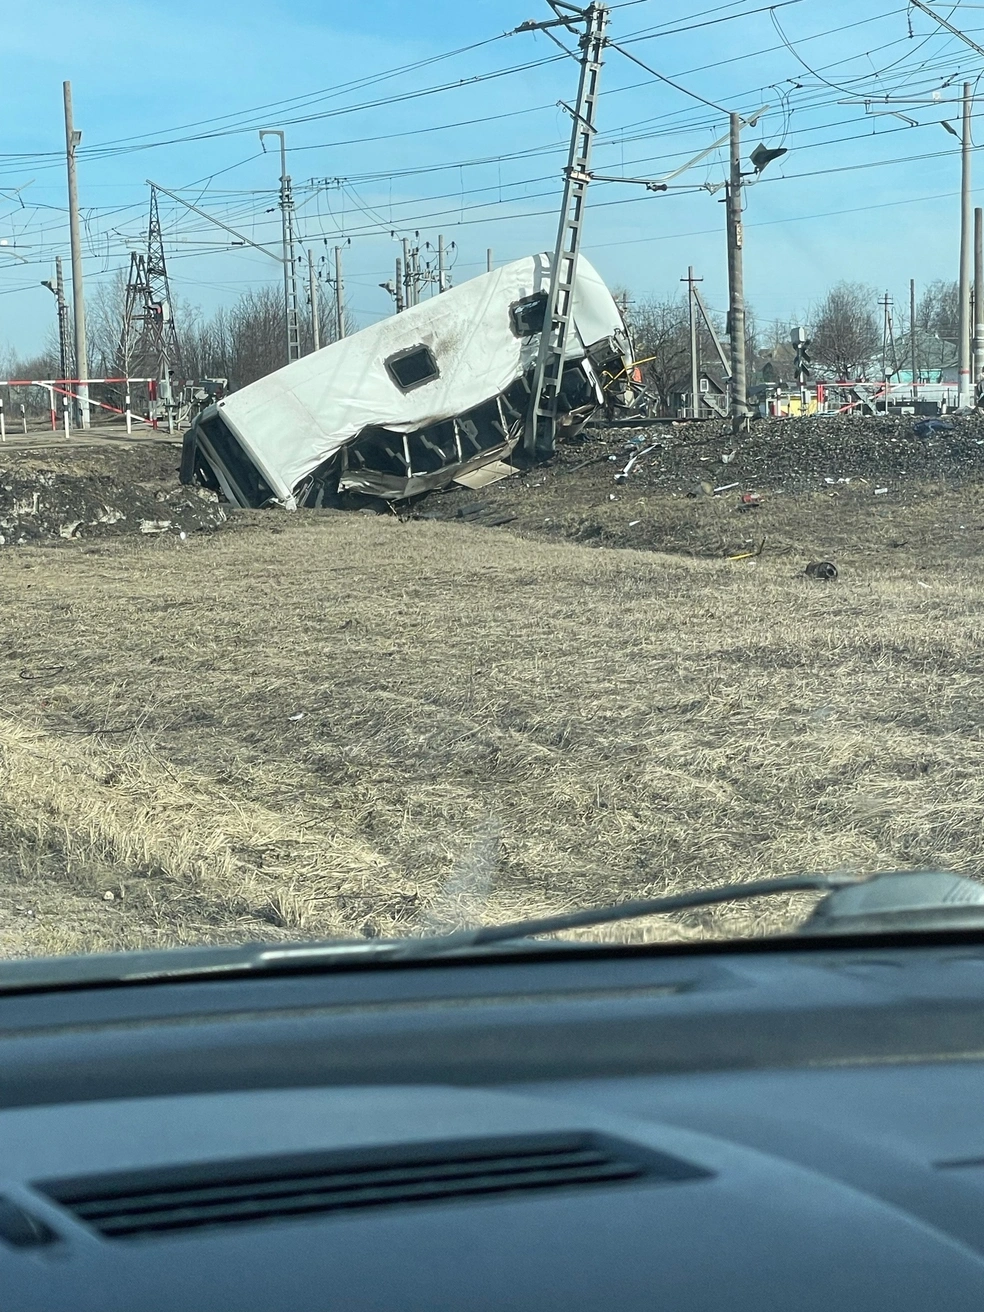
{"x":800,"y":455}
{"x":810,"y":487}
{"x":94,"y":492}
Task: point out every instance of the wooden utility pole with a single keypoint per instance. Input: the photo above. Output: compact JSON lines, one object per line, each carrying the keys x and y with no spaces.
{"x":313,"y":295}
{"x":339,"y":295}
{"x":72,"y":139}
{"x":978,"y":302}
{"x":965,"y":391}
{"x":736,"y":284}
{"x":694,"y":352}
{"x":913,"y":357}
{"x":886,"y":303}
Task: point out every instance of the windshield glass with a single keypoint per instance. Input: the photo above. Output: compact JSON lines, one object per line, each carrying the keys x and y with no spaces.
{"x":377,"y":564}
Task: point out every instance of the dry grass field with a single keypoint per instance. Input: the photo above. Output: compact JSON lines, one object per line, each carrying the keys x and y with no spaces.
{"x":344,"y":724}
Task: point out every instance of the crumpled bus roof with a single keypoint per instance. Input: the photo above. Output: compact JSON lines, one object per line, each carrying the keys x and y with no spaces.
{"x":292,"y":421}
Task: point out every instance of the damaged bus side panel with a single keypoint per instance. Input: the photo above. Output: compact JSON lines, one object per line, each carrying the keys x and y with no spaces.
{"x":411,"y":402}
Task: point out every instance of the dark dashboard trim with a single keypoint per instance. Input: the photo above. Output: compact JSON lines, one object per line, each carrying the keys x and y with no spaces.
{"x":553,"y":953}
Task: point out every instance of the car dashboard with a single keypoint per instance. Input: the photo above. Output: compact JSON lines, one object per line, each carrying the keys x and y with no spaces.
{"x":772,"y":1126}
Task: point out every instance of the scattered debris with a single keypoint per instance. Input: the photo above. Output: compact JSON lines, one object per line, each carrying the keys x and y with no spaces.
{"x":748,"y":555}
{"x":494,"y":472}
{"x":822,"y":569}
{"x":86,"y":493}
{"x":927,"y":427}
{"x":881,"y":491}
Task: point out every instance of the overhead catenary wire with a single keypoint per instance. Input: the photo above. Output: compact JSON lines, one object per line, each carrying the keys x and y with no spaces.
{"x":97,"y":216}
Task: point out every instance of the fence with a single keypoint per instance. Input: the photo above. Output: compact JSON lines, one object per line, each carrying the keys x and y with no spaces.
{"x":63,"y":388}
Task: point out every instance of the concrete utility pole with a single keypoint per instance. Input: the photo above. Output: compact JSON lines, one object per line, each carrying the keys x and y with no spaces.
{"x":64,"y":353}
{"x":694,"y":355}
{"x":965,"y":391}
{"x":488,"y":260}
{"x":339,"y":296}
{"x":736,"y":284}
{"x":408,"y":297}
{"x":913,"y":357}
{"x":441,"y":272}
{"x":978,"y":302}
{"x":313,"y":295}
{"x":72,"y":139}
{"x":291,"y":324}
{"x":57,"y":288}
{"x":398,"y":286}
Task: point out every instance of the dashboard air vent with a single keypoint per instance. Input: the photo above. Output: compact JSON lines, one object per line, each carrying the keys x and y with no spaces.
{"x":225,"y":1193}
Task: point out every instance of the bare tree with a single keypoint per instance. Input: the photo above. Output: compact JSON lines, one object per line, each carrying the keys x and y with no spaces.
{"x":34,"y":399}
{"x":938,"y":310}
{"x":846,"y":334}
{"x":661,"y":334}
{"x":247,"y":341}
{"x":104,"y":323}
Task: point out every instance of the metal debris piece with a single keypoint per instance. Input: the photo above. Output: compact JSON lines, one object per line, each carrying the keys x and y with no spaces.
{"x":493,"y":472}
{"x":822,"y":569}
{"x":927,"y":427}
{"x":748,"y":555}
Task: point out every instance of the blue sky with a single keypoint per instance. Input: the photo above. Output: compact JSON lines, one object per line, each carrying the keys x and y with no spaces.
{"x":860,"y":195}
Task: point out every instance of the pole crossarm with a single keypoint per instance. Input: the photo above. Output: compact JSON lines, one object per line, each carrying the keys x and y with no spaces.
{"x":650,"y":183}
{"x":918,"y":4}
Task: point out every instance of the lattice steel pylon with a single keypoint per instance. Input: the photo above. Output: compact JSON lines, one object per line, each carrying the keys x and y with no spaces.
{"x":548,"y":372}
{"x":149,"y":340}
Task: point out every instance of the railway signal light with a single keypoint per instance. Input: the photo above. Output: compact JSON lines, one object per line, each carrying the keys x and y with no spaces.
{"x":801,"y":363}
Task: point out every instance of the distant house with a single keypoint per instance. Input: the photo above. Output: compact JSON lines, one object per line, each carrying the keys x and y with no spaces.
{"x":936,"y":359}
{"x":775,"y":365}
{"x":713,"y":394}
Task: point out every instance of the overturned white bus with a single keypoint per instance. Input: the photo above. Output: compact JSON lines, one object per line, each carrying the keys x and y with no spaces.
{"x":413,"y":401}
